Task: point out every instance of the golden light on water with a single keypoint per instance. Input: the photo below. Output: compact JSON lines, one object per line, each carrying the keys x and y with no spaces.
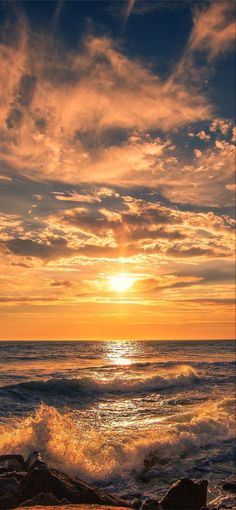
{"x":121,"y":282}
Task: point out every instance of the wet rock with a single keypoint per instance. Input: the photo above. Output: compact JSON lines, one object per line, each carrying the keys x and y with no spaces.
{"x":8,"y":484}
{"x":8,"y":501}
{"x":186,"y":495}
{"x":72,"y":507}
{"x":151,"y":504}
{"x":229,"y":487}
{"x":45,"y":499}
{"x":11,"y":463}
{"x":44,"y":479}
{"x":136,"y":503}
{"x":42,"y":485}
{"x":34,"y":460}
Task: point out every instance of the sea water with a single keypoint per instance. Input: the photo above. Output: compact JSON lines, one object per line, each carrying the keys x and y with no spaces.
{"x":129,"y":416}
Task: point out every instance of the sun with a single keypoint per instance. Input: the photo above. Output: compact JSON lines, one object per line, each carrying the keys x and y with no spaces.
{"x":121,"y":282}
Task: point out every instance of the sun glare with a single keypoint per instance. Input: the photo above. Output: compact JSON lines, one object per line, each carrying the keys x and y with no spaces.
{"x":121,"y":282}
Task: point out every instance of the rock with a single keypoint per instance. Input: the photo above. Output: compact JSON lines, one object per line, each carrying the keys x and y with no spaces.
{"x":39,"y":484}
{"x":11,"y":463}
{"x":8,"y":501}
{"x":186,"y":495}
{"x":10,"y":485}
{"x":34,"y":460}
{"x":229,"y":487}
{"x":73,"y":507}
{"x":136,"y":503}
{"x":151,"y":504}
{"x":45,"y":499}
{"x":44,"y":479}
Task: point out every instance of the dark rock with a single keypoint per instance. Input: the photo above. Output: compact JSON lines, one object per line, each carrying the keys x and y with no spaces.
{"x":40,"y":485}
{"x":45,"y":499}
{"x":34,"y":460}
{"x":9,"y":500}
{"x":229,"y":486}
{"x":10,"y":486}
{"x":44,"y":485}
{"x":14,"y":475}
{"x":44,"y":479}
{"x":8,"y":483}
{"x":186,"y":495}
{"x":151,"y":504}
{"x":11,"y":463}
{"x":136,"y":503}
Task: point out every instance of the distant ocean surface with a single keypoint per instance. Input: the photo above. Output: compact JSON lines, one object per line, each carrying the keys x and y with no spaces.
{"x":129,"y":416}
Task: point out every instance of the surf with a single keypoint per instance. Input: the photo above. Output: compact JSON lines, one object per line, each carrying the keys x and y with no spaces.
{"x":99,"y":384}
{"x":101,"y":455}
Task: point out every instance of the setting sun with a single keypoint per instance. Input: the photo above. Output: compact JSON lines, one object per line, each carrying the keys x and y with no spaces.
{"x":121,"y":282}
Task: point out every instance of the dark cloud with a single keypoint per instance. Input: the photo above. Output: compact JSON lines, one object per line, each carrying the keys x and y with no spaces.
{"x":156,"y":233}
{"x":53,"y":249}
{"x":14,"y":118}
{"x":26,"y":89}
{"x":61,"y":283}
{"x":93,"y":250}
{"x":89,"y":221}
{"x":196,"y":251}
{"x":23,"y":98}
{"x":211,"y":272}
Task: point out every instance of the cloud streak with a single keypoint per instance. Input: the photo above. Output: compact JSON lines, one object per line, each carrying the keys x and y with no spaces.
{"x":128,"y":10}
{"x":214,"y":29}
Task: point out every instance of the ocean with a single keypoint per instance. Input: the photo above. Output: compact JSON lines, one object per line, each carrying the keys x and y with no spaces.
{"x":129,"y":416}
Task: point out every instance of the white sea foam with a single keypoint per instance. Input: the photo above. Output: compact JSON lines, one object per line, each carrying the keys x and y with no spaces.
{"x":103,"y":455}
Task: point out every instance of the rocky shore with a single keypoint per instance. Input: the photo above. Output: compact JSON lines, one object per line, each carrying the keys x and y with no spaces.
{"x":31,"y":483}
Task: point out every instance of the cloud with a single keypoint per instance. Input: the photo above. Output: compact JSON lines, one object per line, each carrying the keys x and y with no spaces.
{"x":59,"y":108}
{"x":76,"y":197}
{"x":116,"y":227}
{"x":206,"y":180}
{"x":53,"y":249}
{"x":129,"y":7}
{"x":61,"y":283}
{"x":135,"y":226}
{"x":5,"y":178}
{"x":214,"y":29}
{"x":196,"y":251}
{"x":202,"y":135}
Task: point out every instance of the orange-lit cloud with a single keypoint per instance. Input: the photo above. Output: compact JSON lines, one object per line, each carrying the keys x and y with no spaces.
{"x":48,"y":111}
{"x":107,"y":167}
{"x":214,"y":28}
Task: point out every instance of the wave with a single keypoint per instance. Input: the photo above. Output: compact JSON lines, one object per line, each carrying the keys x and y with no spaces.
{"x":102,"y":455}
{"x":127,"y":383}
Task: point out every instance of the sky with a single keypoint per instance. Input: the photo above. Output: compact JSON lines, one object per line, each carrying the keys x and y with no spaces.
{"x":117,"y":156}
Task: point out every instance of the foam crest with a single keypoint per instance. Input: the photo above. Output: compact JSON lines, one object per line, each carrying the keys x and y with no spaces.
{"x":124,"y":383}
{"x":103,"y":455}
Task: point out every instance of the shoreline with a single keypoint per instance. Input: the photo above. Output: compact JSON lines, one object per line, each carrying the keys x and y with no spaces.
{"x":31,"y":483}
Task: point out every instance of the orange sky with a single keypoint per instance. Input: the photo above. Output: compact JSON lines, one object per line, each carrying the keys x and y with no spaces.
{"x":109,"y":165}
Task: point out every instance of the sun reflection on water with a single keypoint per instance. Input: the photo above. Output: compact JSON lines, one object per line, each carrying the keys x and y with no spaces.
{"x":121,"y":353}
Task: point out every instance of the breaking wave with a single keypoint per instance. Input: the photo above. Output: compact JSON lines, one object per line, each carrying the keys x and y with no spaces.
{"x":100,"y":455}
{"x":184,"y":376}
